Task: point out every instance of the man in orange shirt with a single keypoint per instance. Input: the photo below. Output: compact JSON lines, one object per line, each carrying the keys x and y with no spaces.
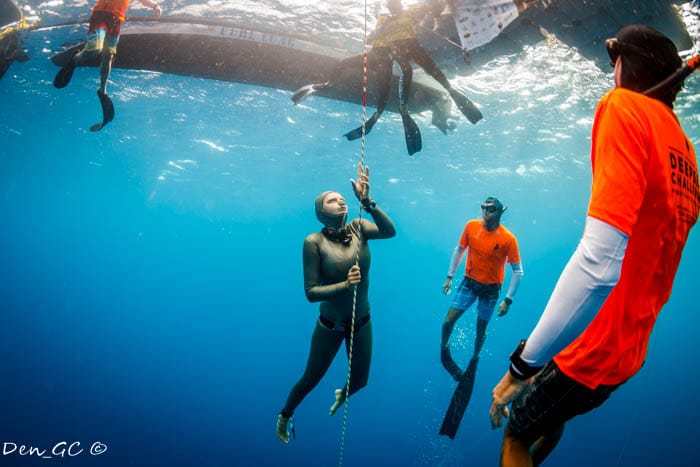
{"x":489,"y":246}
{"x":594,"y":332}
{"x":103,"y":35}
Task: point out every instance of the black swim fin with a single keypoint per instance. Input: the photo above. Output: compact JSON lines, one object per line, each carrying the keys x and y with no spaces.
{"x":466,"y":106}
{"x":414,"y":142}
{"x":107,"y":112}
{"x":449,"y":364}
{"x":357,"y":132}
{"x":64,"y":75}
{"x":460,"y":401}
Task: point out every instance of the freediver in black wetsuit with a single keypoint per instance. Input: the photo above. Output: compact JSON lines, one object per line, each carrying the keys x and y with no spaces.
{"x":330,"y":275}
{"x":395,"y":40}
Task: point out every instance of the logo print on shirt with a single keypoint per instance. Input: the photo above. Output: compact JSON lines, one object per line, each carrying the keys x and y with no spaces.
{"x":686,"y":188}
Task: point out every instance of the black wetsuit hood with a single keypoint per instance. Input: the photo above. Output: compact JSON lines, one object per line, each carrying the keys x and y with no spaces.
{"x":334,"y":227}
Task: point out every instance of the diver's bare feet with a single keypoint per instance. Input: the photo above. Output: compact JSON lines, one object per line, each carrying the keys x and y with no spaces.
{"x":339,"y":400}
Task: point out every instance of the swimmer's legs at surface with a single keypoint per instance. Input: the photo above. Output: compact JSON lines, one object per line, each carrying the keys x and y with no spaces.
{"x":105,"y":69}
{"x":414,"y":140}
{"x":418,"y":54}
{"x":378,"y":59}
{"x":405,"y":84}
{"x":383,"y":69}
{"x":99,"y":43}
{"x":108,"y":52}
{"x":354,"y":62}
{"x":92,"y":48}
{"x":85,"y":55}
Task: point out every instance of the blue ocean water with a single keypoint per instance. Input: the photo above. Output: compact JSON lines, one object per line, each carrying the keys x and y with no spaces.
{"x":152,"y":285}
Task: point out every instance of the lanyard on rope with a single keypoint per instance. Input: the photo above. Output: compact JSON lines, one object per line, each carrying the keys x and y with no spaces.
{"x":363,"y":147}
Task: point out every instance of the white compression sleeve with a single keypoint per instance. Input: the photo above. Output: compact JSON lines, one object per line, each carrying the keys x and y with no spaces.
{"x":456,"y":259}
{"x":583,"y":286}
{"x":518,"y":274}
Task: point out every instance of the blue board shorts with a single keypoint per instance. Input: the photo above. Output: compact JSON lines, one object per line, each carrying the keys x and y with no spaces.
{"x":103,"y":32}
{"x":470,"y":291}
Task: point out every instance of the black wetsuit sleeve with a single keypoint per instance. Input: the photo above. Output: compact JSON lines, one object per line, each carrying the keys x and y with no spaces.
{"x":315,"y":291}
{"x":382,"y":227}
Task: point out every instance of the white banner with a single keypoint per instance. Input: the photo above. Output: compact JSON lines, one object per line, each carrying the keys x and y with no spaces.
{"x":480,"y":21}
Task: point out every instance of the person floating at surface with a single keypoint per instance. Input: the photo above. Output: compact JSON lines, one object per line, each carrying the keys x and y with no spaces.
{"x":103,"y":35}
{"x":331,"y":276}
{"x":395,"y":40}
{"x":11,"y":48}
{"x":489,"y":245}
{"x":594,"y":332}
